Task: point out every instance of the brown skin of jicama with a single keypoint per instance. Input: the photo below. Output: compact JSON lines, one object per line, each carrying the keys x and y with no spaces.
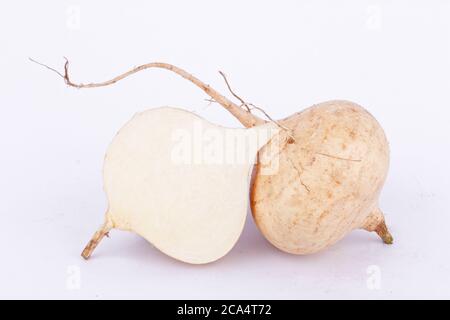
{"x":329,"y":177}
{"x":328,"y":181}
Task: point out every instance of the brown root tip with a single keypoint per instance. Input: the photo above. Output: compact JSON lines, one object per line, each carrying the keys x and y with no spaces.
{"x":93,"y":243}
{"x":384,"y":233}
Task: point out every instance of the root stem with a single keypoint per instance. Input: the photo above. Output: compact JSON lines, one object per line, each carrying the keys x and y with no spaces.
{"x":244,"y":116}
{"x":384,"y":233}
{"x":98,"y":236}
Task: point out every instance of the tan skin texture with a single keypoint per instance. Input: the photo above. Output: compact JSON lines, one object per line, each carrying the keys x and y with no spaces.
{"x":328,"y":181}
{"x":330,"y":171}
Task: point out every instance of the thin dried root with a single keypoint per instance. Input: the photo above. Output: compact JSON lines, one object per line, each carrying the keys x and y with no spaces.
{"x":384,"y":233}
{"x":243,"y":103}
{"x":250,"y":106}
{"x":245,"y":117}
{"x":93,"y":243}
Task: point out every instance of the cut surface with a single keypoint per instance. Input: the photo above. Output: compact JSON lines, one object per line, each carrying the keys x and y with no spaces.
{"x":181,"y":182}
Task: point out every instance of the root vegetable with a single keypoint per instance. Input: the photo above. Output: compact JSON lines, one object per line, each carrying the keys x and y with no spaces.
{"x":329,"y":175}
{"x":180,"y":182}
{"x":329,"y":180}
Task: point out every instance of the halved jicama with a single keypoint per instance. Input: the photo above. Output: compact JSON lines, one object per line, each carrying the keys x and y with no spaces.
{"x":180,"y":182}
{"x":321,"y":181}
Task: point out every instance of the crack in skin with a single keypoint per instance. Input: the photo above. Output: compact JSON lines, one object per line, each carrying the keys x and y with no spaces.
{"x":285,"y":144}
{"x":275,"y":154}
{"x":299,"y":175}
{"x":339,"y":158}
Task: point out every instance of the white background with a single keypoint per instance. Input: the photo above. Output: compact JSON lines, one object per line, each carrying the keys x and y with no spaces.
{"x":393,"y":57}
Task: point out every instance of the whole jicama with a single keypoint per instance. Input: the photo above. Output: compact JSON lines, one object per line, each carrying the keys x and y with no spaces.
{"x":328,"y":180}
{"x":325,"y":179}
